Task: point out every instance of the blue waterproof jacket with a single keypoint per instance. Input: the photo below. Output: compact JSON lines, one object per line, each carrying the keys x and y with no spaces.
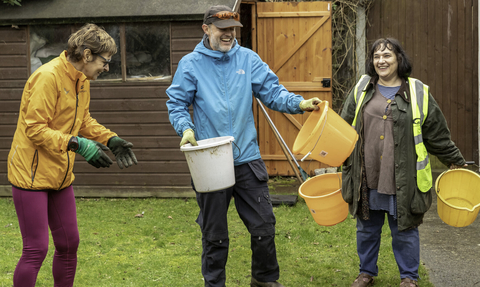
{"x":219,"y":86}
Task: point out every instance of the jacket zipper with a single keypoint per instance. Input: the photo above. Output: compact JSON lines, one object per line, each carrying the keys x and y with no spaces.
{"x":34,"y":167}
{"x":76,"y":106}
{"x":361,"y":145}
{"x":73,"y":125}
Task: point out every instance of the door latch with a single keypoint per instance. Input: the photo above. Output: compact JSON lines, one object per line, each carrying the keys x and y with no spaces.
{"x":326,"y":83}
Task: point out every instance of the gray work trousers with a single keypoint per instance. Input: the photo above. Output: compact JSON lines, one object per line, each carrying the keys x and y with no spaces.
{"x":253,"y":204}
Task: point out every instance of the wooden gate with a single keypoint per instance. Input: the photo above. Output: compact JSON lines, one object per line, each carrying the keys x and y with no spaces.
{"x":295,"y":40}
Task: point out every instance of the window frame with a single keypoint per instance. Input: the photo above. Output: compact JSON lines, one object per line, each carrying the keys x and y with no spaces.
{"x":122,"y":49}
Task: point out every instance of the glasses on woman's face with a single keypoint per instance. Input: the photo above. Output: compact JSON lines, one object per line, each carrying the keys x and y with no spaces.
{"x":106,"y":61}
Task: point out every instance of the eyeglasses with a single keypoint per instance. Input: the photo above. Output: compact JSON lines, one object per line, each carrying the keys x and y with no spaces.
{"x":225,"y":15}
{"x":106,"y":61}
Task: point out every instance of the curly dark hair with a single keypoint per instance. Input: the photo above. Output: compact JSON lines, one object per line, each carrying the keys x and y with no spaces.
{"x":404,"y":65}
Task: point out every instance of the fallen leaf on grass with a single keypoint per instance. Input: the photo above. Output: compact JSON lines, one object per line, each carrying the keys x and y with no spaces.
{"x":139,"y":215}
{"x":170,"y":217}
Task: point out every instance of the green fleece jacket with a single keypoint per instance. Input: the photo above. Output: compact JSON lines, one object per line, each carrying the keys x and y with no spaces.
{"x":411,"y":203}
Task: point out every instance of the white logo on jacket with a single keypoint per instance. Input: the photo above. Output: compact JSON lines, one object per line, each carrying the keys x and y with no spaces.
{"x":240,"y":72}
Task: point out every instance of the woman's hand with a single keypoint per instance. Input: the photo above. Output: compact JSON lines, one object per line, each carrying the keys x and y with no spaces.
{"x":453,"y":166}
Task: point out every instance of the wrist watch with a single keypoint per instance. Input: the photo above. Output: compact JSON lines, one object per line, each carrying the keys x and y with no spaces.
{"x":73,"y":144}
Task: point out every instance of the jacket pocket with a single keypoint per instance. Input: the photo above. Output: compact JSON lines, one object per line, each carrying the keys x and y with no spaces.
{"x":33,"y":170}
{"x":259,"y":169}
{"x":347,"y":183}
{"x":421,"y":201}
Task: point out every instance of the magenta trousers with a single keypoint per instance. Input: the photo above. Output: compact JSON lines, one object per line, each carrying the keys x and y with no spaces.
{"x":37,"y":211}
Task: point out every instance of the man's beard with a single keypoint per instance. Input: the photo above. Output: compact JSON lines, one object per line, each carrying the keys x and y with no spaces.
{"x":215,"y":43}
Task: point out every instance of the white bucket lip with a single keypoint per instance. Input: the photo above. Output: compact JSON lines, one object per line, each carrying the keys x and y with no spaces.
{"x":218,"y":141}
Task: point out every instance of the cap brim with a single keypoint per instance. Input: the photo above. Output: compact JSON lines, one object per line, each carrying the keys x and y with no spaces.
{"x":227,"y":23}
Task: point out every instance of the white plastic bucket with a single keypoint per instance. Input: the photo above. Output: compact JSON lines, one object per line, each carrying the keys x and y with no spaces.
{"x":211,"y":163}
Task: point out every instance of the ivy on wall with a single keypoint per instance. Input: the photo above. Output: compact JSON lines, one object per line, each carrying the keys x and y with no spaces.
{"x":12,"y":2}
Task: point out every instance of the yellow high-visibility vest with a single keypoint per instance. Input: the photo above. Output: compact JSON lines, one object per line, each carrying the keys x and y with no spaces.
{"x":419,"y":103}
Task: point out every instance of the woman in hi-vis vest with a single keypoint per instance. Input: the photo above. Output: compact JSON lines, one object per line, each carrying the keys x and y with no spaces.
{"x":389,"y":173}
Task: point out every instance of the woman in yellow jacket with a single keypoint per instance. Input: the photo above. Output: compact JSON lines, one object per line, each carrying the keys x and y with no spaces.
{"x":54,"y":110}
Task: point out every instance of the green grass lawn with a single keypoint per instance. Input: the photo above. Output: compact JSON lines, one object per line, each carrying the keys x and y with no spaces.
{"x":163,"y":247}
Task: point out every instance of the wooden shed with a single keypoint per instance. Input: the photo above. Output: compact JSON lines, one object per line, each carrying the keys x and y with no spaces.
{"x":152,"y":36}
{"x":293,"y":38}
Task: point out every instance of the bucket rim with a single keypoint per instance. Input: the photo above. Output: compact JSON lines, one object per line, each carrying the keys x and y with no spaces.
{"x":299,"y":147}
{"x":437,"y":191}
{"x":319,"y":196}
{"x":218,"y":142}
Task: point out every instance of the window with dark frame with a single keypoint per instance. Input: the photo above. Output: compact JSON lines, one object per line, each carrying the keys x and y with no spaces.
{"x":143,"y":49}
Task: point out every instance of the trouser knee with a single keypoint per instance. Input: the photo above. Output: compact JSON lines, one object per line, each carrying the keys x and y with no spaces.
{"x":66,"y":243}
{"x":268,"y":230}
{"x":36,"y":252}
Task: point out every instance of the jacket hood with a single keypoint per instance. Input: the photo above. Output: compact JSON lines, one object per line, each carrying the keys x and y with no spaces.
{"x":200,"y":48}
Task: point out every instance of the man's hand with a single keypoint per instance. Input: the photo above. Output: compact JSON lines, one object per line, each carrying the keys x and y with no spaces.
{"x":310,"y":105}
{"x":188,"y":137}
{"x":93,"y":152}
{"x":122,"y":151}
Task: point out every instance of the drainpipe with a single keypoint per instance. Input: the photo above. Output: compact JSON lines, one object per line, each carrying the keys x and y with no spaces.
{"x":360,"y":40}
{"x":236,"y":6}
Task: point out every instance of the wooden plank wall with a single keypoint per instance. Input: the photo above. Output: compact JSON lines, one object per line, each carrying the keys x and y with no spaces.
{"x":185,"y":36}
{"x":136,"y":112}
{"x":13,"y":74}
{"x":441,"y":38}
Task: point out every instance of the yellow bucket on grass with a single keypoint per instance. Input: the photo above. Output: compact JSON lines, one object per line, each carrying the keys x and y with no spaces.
{"x":458,"y":196}
{"x":326,"y":137}
{"x":323,"y":196}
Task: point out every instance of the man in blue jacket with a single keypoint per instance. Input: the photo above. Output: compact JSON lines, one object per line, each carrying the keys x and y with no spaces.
{"x":218,"y":79}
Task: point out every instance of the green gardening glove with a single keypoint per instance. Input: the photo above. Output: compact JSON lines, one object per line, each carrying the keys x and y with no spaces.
{"x":310,"y":105}
{"x":188,"y":137}
{"x":122,"y":151}
{"x":93,"y":152}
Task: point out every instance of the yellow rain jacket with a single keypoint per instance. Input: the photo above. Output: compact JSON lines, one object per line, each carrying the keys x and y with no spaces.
{"x":55,"y":107}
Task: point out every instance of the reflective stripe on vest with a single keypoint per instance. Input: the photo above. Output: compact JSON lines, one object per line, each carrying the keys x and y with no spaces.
{"x":419,"y":98}
{"x":419,"y":103}
{"x":362,"y":83}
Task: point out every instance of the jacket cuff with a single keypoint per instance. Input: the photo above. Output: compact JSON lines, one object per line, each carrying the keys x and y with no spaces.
{"x":185,"y":127}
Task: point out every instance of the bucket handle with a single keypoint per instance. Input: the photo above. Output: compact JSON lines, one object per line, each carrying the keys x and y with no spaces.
{"x":238,"y":150}
{"x":321,"y":132}
{"x":450,"y":205}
